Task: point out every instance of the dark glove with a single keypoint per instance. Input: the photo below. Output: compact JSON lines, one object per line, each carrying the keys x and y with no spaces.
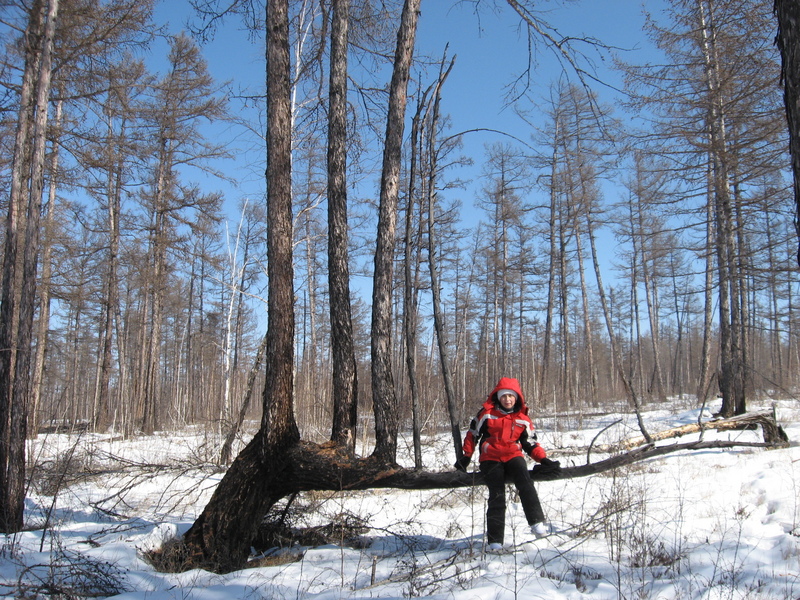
{"x":547,"y":469}
{"x":462,"y":463}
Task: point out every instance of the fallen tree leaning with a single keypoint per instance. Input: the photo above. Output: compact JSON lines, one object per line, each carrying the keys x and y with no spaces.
{"x":253,"y":489}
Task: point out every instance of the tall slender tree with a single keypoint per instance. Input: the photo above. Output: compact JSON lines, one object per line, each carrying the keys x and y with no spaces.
{"x":384,"y":398}
{"x":345,"y":375}
{"x":182,"y":98}
{"x":20,"y":259}
{"x":220,"y":537}
{"x":788,"y":40}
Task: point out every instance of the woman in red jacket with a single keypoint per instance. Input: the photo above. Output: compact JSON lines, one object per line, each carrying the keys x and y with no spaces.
{"x":502,"y":432}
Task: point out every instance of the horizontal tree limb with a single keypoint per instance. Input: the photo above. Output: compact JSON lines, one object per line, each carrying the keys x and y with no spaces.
{"x":314,"y":469}
{"x":306,"y":466}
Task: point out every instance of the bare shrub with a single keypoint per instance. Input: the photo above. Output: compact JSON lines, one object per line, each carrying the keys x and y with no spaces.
{"x":344,"y":529}
{"x":70,"y":576}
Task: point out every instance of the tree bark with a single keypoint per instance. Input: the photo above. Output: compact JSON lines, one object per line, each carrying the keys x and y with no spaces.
{"x":544,"y":372}
{"x":225,"y":452}
{"x":630,"y":392}
{"x":100,"y":418}
{"x":704,"y":380}
{"x":411,"y":269}
{"x":43,"y":322}
{"x":345,"y":378}
{"x":433,"y":266}
{"x":278,"y":421}
{"x":20,"y":261}
{"x":732,"y":366}
{"x":220,"y":538}
{"x":772,"y":432}
{"x":384,"y":399}
{"x":788,"y":41}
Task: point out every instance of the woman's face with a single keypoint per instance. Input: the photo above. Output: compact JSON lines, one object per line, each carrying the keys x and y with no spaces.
{"x":508,"y":401}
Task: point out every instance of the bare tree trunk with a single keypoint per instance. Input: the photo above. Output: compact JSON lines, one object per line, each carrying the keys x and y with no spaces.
{"x":12,"y":463}
{"x":630,"y":391}
{"x":152,"y":343}
{"x":544,"y":376}
{"x":438,"y":317}
{"x":101,"y":415}
{"x":43,"y":324}
{"x":411,"y":260}
{"x":731,"y":376}
{"x":20,"y":261}
{"x":384,"y":399}
{"x":501,"y":290}
{"x":345,"y":377}
{"x":225,"y":452}
{"x":238,"y":271}
{"x":564,"y":308}
{"x":22,"y":377}
{"x":704,"y":379}
{"x":650,"y":294}
{"x":788,"y":41}
{"x":221,"y":536}
{"x":774,"y":336}
{"x":679,"y":365}
{"x":278,"y":420}
{"x":587,"y":322}
{"x":650,"y":299}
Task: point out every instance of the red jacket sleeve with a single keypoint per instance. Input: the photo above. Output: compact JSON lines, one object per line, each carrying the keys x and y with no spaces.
{"x":468,"y":449}
{"x":471,"y":439}
{"x":531,"y":447}
{"x":538,"y":453}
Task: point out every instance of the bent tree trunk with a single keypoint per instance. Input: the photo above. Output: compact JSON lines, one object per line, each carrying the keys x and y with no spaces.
{"x":253,"y":487}
{"x":220,"y":538}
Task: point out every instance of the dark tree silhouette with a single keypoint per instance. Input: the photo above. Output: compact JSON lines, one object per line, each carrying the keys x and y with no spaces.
{"x":788,"y":41}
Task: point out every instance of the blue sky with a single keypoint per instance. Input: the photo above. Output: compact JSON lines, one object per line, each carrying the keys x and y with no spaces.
{"x":491,"y":51}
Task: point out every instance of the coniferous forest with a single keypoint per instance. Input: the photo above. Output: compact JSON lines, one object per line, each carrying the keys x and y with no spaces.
{"x":618,"y":248}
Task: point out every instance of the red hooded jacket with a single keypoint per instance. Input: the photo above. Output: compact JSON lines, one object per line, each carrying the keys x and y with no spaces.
{"x":501,"y":435}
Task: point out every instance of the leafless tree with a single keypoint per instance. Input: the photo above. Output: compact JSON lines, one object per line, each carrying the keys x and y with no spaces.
{"x":384,"y":399}
{"x":788,"y":15}
{"x":20,"y":259}
{"x":345,"y":375}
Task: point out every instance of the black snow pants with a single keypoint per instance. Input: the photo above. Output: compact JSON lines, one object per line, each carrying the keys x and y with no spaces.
{"x":494,"y":474}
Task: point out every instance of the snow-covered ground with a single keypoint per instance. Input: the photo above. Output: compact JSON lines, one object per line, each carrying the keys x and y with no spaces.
{"x":710,"y":524}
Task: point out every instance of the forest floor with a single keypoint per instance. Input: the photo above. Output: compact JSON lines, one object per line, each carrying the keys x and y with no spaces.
{"x":712,"y":524}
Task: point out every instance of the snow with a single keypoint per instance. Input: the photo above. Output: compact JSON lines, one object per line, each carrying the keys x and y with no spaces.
{"x":707,"y":525}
